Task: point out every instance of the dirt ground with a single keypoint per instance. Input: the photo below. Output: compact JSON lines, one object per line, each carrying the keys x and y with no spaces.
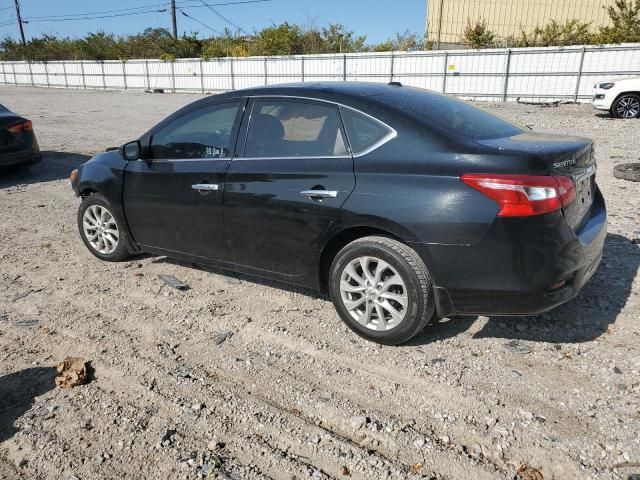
{"x":238,"y":378}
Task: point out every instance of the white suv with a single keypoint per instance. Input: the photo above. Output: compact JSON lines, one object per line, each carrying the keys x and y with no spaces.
{"x":619,"y":97}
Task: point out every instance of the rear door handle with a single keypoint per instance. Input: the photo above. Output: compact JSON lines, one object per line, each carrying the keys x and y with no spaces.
{"x":205,"y":187}
{"x":319,"y":193}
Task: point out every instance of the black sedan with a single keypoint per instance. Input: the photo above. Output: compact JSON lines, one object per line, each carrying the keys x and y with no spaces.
{"x":18,"y":144}
{"x":403,"y":204}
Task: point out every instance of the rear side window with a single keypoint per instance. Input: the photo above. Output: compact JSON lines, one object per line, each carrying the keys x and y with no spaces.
{"x":284,"y":128}
{"x":203,"y":133}
{"x":363,"y":131}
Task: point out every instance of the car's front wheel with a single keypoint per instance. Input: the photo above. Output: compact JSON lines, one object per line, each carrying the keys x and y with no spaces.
{"x":382,"y":289}
{"x":100,"y":230}
{"x":626,"y":106}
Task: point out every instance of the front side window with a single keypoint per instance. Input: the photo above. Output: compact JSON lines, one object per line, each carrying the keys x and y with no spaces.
{"x":203,"y":133}
{"x":283,"y":128}
{"x":363,"y":131}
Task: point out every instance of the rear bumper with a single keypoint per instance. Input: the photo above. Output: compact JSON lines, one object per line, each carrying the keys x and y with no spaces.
{"x":21,"y":157}
{"x":514,"y":268}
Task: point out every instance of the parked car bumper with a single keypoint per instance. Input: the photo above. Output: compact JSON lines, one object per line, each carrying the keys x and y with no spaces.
{"x":522,"y":266}
{"x":22,"y":157}
{"x":602,"y":99}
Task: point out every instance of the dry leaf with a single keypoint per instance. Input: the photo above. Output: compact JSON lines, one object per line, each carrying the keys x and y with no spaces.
{"x":345,"y":471}
{"x":415,"y":468}
{"x":71,"y":372}
{"x":526,"y":472}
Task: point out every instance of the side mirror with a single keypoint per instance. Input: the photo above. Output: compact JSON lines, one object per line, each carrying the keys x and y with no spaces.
{"x":131,"y":150}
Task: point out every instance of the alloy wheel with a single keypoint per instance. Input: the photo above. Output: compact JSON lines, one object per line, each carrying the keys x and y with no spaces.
{"x":374,"y":293}
{"x":100,"y":229}
{"x":628,"y":107}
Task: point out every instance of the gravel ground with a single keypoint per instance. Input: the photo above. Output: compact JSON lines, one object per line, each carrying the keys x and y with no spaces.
{"x":239,"y":378}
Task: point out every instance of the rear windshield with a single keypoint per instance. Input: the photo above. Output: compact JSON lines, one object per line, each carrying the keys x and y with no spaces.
{"x":453,"y":117}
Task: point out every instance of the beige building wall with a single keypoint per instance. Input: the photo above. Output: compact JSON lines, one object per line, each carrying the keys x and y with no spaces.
{"x":446,"y":19}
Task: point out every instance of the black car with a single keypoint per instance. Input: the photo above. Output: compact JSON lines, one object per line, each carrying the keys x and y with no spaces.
{"x":403,"y":204}
{"x":18,"y":144}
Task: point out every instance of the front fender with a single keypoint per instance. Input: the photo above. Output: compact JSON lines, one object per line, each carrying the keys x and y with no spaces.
{"x":104,"y":174}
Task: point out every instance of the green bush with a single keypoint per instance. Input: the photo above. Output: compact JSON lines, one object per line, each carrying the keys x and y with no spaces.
{"x":625,"y":20}
{"x":478,"y":35}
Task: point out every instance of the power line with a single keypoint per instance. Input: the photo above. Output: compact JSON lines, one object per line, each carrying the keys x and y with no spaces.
{"x":198,"y":21}
{"x":183,"y":4}
{"x":238,"y":27}
{"x":93,"y":18}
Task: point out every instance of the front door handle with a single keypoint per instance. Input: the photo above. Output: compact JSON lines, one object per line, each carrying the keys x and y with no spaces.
{"x":319,"y":193}
{"x":205,"y":187}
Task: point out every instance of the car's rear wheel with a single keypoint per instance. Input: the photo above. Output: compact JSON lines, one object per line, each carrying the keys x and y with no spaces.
{"x":626,"y":106}
{"x":382,"y":289}
{"x":100,"y":230}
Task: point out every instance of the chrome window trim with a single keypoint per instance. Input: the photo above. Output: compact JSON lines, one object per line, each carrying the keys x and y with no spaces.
{"x":387,"y":138}
{"x":326,"y":157}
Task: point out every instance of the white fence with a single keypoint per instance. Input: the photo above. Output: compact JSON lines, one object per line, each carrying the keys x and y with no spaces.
{"x":502,"y":74}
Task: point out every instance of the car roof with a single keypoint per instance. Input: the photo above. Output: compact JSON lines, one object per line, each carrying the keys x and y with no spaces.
{"x":358,"y":94}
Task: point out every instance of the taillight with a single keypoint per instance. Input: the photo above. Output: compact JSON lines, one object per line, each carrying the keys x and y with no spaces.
{"x":21,"y":127}
{"x":524,"y":195}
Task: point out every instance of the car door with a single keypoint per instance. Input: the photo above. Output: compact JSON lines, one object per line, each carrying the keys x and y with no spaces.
{"x":287,"y":187}
{"x":173,"y":198}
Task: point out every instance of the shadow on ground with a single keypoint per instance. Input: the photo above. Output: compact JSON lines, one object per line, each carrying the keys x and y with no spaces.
{"x":18,"y":391}
{"x":237,"y":278}
{"x":582,"y":319}
{"x":54,"y":166}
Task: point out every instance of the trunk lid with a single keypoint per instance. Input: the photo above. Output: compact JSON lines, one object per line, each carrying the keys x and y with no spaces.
{"x":571,"y":156}
{"x":9,"y":140}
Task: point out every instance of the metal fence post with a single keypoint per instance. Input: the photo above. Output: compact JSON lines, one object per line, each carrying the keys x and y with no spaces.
{"x":31,"y":74}
{"x":579,"y":77}
{"x":266,"y":72}
{"x":146,"y":72}
{"x":201,"y":77}
{"x":64,"y":71}
{"x":84,"y":82}
{"x":505,"y":83}
{"x":46,"y":72}
{"x":104,"y":82}
{"x":233,"y":78}
{"x":173,"y":77}
{"x":302,"y":69}
{"x":444,"y":72}
{"x":391,"y":67}
{"x":124,"y":74}
{"x":344,"y":67}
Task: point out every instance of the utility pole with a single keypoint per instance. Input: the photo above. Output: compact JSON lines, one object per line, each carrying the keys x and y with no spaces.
{"x":20,"y":23}
{"x":173,"y":18}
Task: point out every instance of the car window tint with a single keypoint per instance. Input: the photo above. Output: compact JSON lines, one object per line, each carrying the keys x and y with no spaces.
{"x":203,"y":133}
{"x":449,"y":116}
{"x":362,"y":131}
{"x":294,"y":129}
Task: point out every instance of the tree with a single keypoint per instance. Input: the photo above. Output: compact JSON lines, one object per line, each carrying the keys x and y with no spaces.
{"x":478,"y":35}
{"x":338,"y":39}
{"x":625,"y":20}
{"x":284,"y":39}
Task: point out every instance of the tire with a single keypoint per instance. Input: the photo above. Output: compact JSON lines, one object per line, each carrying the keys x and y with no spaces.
{"x":115,"y":247}
{"x":626,"y":106}
{"x":361,"y":307}
{"x":627,"y":171}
